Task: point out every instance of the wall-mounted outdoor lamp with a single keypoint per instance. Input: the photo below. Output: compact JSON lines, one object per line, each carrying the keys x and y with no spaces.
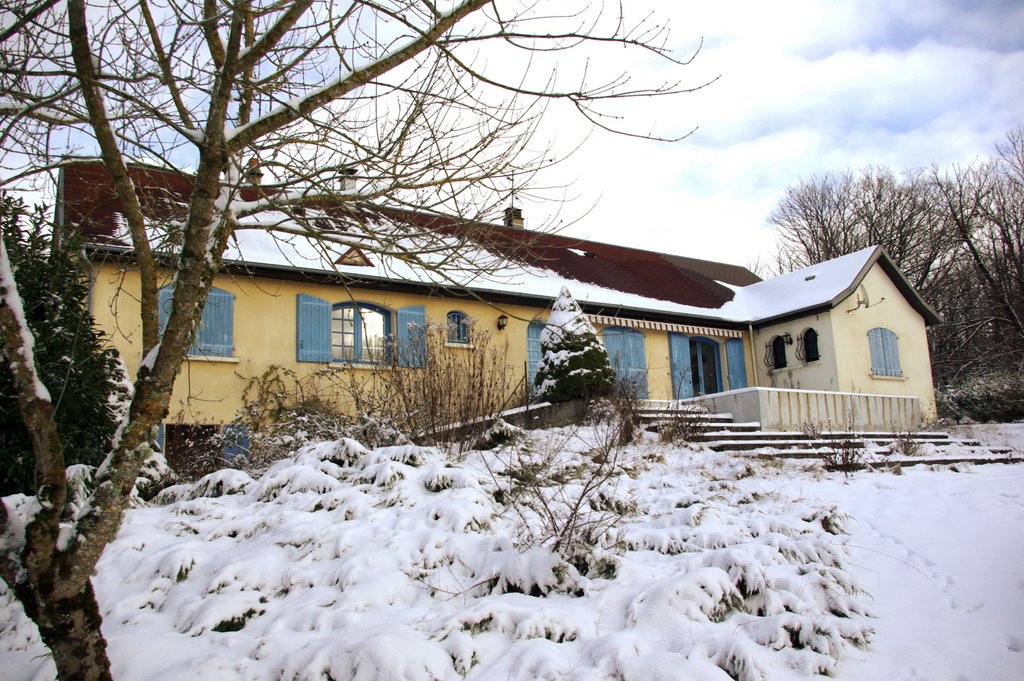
{"x":787,"y":338}
{"x":502,"y":322}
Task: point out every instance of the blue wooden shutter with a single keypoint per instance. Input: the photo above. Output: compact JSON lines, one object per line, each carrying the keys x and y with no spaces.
{"x":885,"y":354}
{"x":236,"y":441}
{"x":312,"y":329}
{"x":533,"y":351}
{"x":637,"y":362}
{"x":615,"y":346}
{"x":215,"y":337}
{"x":412,"y":336}
{"x":890,"y":351}
{"x":682,"y":374}
{"x":626,"y":351}
{"x":877,"y":353}
{"x":737,"y":361}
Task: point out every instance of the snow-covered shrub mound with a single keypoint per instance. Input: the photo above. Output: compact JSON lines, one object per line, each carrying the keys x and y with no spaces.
{"x":769,"y":567}
{"x":344,"y":562}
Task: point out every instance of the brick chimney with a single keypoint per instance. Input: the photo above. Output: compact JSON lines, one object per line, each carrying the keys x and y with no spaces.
{"x":348,"y":180}
{"x":514,"y":217}
{"x":253,"y":174}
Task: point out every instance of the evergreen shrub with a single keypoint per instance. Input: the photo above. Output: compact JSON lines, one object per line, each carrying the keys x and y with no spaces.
{"x":83,"y":374}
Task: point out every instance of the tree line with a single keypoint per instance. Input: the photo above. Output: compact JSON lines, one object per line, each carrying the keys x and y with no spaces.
{"x":956,"y":233}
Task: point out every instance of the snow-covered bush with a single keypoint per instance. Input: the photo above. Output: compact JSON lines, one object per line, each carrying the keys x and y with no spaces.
{"x":566,"y":493}
{"x":343,"y":561}
{"x":500,"y":433}
{"x":573,"y":362}
{"x":993,"y":397}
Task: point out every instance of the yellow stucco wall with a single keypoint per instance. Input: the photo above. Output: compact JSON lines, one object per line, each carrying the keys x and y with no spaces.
{"x":209,"y":390}
{"x":882,"y":305}
{"x":845,"y":363}
{"x":798,"y":375}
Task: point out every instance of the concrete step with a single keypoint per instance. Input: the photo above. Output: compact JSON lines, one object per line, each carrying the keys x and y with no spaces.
{"x":745,"y":432}
{"x":725,"y":430}
{"x":745,"y":444}
{"x":702,"y":417}
{"x":980,"y":454}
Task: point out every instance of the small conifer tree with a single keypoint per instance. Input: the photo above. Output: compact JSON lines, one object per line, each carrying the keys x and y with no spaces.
{"x":83,"y":375}
{"x":573,"y":362}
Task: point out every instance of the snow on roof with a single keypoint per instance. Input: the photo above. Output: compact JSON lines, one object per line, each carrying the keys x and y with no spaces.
{"x":804,"y":289}
{"x":488,"y":260}
{"x":260,"y":248}
{"x":811,"y":287}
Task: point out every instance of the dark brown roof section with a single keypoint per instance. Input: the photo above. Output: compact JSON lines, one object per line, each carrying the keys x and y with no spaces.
{"x":88,"y":200}
{"x":643,"y":273}
{"x":718,"y":271}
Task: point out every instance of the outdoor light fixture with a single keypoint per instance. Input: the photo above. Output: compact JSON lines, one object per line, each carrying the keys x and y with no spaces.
{"x":787,"y":338}
{"x":502,"y":322}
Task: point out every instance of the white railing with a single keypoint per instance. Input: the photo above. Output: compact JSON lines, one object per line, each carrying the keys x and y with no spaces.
{"x":781,"y":409}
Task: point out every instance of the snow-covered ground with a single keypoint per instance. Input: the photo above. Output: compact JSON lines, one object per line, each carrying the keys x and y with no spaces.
{"x":399,"y":564}
{"x":942,"y":554}
{"x":994,"y":434}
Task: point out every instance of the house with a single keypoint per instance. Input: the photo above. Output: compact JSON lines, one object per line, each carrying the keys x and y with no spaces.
{"x":840,"y":341}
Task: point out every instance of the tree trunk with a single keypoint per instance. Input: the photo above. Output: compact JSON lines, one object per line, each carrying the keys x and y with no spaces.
{"x":70,"y":627}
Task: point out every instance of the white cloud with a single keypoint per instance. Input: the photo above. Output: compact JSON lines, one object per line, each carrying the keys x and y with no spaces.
{"x":806,"y":87}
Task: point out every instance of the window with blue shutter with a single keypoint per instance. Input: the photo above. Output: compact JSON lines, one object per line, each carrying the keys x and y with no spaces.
{"x":885,"y":354}
{"x":412,"y":336}
{"x":312,"y":329}
{"x":358,"y":333}
{"x":737,"y":362}
{"x":215,"y":335}
{"x":626,"y":351}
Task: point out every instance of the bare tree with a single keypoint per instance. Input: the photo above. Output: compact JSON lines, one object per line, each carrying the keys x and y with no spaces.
{"x":832,"y":215}
{"x":432,"y":104}
{"x":984,"y":204}
{"x":957,"y":234}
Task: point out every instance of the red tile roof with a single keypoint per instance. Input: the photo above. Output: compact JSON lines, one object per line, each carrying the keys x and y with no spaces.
{"x":87,"y":199}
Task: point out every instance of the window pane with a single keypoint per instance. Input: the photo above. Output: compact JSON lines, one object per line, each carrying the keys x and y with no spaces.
{"x":374,"y":336}
{"x":343,"y":334}
{"x":458,"y":327}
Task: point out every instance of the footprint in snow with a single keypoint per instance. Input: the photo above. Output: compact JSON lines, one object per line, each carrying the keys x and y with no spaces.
{"x":1015,"y":644}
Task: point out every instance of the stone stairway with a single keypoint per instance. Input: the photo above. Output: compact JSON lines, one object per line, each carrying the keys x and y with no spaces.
{"x":721,"y":433}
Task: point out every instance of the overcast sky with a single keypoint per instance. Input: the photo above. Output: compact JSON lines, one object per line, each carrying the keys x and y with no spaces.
{"x":804,"y":87}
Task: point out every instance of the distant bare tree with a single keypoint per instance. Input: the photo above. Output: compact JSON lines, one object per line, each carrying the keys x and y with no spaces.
{"x":984,"y":204}
{"x":958,"y":236}
{"x":432,"y":104}
{"x":832,"y":215}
